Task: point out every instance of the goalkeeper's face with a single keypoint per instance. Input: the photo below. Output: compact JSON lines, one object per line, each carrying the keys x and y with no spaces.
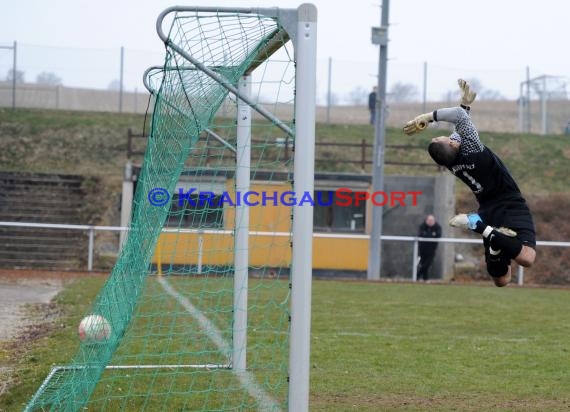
{"x":446,"y":140}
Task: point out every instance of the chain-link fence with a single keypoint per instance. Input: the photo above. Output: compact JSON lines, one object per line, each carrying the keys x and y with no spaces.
{"x":510,"y":99}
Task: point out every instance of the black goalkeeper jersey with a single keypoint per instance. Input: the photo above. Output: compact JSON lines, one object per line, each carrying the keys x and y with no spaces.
{"x":476,"y":165}
{"x":486,"y":175}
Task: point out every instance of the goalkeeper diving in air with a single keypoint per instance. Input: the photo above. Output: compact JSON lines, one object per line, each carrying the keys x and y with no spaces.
{"x":503,"y":219}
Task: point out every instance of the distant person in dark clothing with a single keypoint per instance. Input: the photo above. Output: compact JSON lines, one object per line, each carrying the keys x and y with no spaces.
{"x":428,"y":229}
{"x":372,"y":105}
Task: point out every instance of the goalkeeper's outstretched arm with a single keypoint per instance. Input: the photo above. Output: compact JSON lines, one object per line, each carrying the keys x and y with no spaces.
{"x":422,"y":121}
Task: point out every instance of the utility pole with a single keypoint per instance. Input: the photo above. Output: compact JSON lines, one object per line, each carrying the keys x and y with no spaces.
{"x":121,"y":78}
{"x":329,"y":93}
{"x":380,"y":37}
{"x":424,"y":108}
{"x":14,"y":70}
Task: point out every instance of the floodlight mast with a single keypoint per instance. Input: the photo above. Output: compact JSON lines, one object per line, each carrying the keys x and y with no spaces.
{"x":380,"y":37}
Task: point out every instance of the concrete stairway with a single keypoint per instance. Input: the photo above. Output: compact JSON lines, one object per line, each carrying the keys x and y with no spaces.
{"x":41,"y":198}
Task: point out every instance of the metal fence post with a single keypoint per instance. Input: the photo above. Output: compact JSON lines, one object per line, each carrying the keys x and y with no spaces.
{"x":91,"y":241}
{"x":14,"y":80}
{"x":414,"y":261}
{"x":363,"y":155}
{"x":200,"y":253}
{"x":520,"y":276}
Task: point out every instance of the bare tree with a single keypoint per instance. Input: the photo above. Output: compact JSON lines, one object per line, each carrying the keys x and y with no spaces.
{"x":403,"y":92}
{"x":482,"y":93}
{"x":552,"y":87}
{"x":358,"y":96}
{"x":334,"y":99}
{"x":488,"y":94}
{"x":48,"y":79}
{"x":19,"y":76}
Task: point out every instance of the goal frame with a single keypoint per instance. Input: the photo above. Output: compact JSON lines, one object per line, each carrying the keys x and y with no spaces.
{"x":299,"y":26}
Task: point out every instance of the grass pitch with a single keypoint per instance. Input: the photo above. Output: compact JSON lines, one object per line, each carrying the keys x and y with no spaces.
{"x":387,"y":346}
{"x":439,"y":347}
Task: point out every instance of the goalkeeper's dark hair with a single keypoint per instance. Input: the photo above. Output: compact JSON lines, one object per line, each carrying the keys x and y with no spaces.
{"x":442,"y":153}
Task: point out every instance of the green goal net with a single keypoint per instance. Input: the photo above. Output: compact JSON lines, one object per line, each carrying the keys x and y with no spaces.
{"x":208,"y":305}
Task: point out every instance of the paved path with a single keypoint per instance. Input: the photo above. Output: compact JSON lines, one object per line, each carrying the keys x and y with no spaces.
{"x":14,"y":297}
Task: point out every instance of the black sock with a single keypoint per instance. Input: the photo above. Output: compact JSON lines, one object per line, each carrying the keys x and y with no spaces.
{"x":510,"y":246}
{"x":497,"y":267}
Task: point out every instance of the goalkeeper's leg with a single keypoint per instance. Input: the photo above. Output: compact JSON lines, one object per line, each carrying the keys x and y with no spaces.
{"x":498,"y":265}
{"x":514,"y":245}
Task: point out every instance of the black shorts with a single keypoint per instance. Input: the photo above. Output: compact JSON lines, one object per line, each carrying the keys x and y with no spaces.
{"x":513,"y":214}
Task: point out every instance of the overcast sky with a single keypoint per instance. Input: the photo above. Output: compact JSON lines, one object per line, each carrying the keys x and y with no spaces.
{"x":491,"y":40}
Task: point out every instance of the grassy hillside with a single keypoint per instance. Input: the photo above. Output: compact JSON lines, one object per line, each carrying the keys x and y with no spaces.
{"x":95,"y":144}
{"x":67,"y":142}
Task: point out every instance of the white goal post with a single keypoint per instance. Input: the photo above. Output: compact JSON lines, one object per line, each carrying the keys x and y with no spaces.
{"x":301,"y":27}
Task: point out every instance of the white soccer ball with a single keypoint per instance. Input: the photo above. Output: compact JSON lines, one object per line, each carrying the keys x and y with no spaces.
{"x":94,"y":329}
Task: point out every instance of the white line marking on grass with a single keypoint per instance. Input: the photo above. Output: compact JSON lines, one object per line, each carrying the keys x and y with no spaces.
{"x":247,"y":380}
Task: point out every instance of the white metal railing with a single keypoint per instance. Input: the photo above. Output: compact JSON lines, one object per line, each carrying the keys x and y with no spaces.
{"x":91,"y":229}
{"x":520,"y":271}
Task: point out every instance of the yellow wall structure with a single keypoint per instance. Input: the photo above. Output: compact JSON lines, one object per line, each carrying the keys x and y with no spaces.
{"x":346,"y":253}
{"x":271,"y":217}
{"x":217,"y":249}
{"x":269,"y":241}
